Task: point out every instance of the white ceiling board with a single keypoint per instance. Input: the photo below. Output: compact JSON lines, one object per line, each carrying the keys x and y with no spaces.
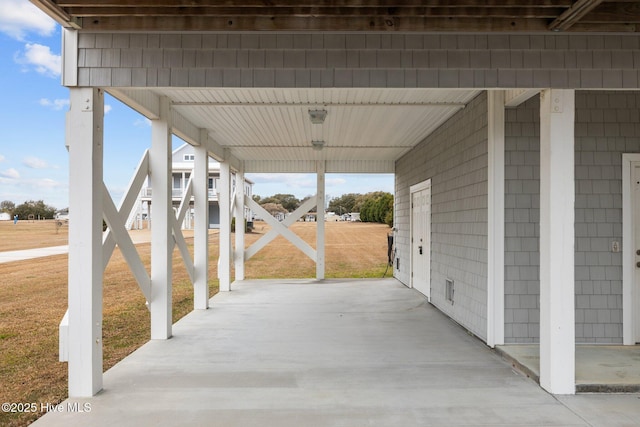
{"x":272,"y":124}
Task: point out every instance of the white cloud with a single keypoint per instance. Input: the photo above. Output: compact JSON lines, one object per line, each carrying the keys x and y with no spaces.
{"x":296,"y":180}
{"x":19,"y":17}
{"x":144,"y":122}
{"x":2,"y":158}
{"x":55,"y":104}
{"x":10,"y":173}
{"x":335,"y":181}
{"x":107,"y":108}
{"x":45,"y":183}
{"x":35,"y":163}
{"x":40,"y":57}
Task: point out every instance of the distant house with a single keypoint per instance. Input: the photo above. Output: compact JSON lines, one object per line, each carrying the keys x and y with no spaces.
{"x":182,"y":163}
{"x":331,"y":216}
{"x":4,"y":216}
{"x":62,"y":214}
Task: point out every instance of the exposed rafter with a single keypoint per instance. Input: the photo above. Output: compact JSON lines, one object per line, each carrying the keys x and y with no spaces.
{"x":58,"y":14}
{"x":573,"y":14}
{"x":345,"y":15}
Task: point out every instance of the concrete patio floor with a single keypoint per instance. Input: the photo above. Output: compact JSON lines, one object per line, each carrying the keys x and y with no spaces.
{"x":599,"y":368}
{"x":333,"y":353}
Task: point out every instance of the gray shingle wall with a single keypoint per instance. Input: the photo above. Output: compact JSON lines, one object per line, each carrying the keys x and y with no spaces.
{"x":522,"y":218}
{"x":358,"y":60}
{"x":607,"y":125}
{"x":455,"y":158}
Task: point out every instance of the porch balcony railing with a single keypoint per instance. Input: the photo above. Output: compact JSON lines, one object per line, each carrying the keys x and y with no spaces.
{"x":176,"y":193}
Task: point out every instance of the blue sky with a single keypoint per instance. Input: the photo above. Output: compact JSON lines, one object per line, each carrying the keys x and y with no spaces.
{"x":33,"y":158}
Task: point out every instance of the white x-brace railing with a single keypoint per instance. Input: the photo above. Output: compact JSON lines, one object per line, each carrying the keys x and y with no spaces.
{"x":117,"y":233}
{"x":282,"y":228}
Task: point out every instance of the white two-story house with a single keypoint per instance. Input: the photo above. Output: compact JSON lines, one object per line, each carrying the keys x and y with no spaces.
{"x":182,"y":165}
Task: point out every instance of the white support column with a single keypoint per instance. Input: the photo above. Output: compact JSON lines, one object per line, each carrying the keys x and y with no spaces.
{"x":161,"y":232}
{"x":224,"y":202}
{"x":85,"y":142}
{"x":201,"y":228}
{"x":557,"y":195}
{"x":238,"y":254}
{"x":495,"y":276}
{"x":320,"y":261}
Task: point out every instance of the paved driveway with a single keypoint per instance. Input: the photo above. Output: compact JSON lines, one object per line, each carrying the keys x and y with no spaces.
{"x":337,"y":353}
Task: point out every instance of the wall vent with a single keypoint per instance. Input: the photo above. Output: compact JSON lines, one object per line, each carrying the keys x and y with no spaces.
{"x":448,"y":290}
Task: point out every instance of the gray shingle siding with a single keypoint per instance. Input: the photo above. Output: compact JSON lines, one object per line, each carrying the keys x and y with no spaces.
{"x":382,"y":60}
{"x":522,"y":217}
{"x":455,"y":158}
{"x":606,"y":126}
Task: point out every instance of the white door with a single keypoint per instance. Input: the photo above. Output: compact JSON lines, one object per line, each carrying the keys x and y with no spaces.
{"x":421,"y":238}
{"x":635,"y":200}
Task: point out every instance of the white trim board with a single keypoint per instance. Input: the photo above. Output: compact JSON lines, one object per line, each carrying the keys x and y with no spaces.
{"x":628,"y":264}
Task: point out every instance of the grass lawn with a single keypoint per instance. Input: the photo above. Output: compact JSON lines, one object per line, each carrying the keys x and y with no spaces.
{"x":33,"y":297}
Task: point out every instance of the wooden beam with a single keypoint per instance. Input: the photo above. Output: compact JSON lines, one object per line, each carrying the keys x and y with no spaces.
{"x":320,"y":225}
{"x":85,"y":138}
{"x":617,"y":12}
{"x":200,"y":178}
{"x":281,"y":229}
{"x":309,"y":3}
{"x":477,"y":12}
{"x":346,"y":15}
{"x":239,"y":215}
{"x":180,"y":104}
{"x":515,"y":97}
{"x":162,"y":215}
{"x":275,"y":23}
{"x":573,"y":14}
{"x":178,"y":240}
{"x":116,"y":221}
{"x":58,"y":14}
{"x":303,"y":209}
{"x":224,"y":199}
{"x":144,"y":102}
{"x":495,"y":214}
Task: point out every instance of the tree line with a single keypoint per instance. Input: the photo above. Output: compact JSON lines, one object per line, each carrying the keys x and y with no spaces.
{"x":373,"y":207}
{"x":31,"y":207}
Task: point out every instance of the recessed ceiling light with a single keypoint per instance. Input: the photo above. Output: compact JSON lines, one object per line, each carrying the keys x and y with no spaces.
{"x":317,"y":116}
{"x":317,"y":145}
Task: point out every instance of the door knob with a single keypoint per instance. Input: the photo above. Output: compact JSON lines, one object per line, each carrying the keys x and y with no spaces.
{"x":420,"y":252}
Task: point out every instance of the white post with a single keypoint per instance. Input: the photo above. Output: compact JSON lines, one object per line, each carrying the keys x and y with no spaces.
{"x":224,"y":199}
{"x":495,"y":276}
{"x":320,"y":221}
{"x":239,"y":216}
{"x":557,"y":195}
{"x":85,"y":141}
{"x":161,"y":232}
{"x":201,"y":228}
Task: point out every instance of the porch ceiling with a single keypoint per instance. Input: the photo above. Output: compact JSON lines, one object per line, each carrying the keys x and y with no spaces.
{"x":345,"y":15}
{"x":262,"y":125}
